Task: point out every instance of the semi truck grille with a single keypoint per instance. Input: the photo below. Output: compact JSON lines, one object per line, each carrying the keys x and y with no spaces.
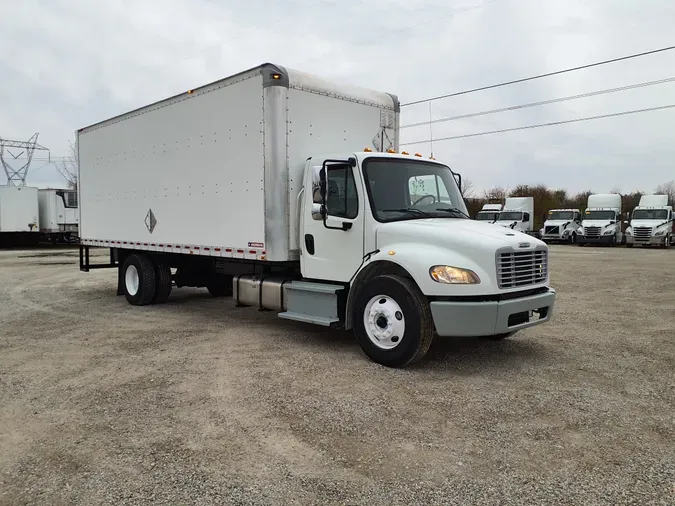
{"x":522,"y":268}
{"x":642,"y":233}
{"x":552,"y":230}
{"x":592,"y":232}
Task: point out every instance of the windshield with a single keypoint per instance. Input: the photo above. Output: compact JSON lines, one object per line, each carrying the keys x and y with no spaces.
{"x":600,"y":215}
{"x":510,"y":216}
{"x":561,"y":215}
{"x":650,"y":214}
{"x":411,"y":189}
{"x":487,"y":216}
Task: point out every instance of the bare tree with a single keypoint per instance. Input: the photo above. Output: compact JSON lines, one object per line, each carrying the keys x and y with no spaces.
{"x":667,"y":189}
{"x":467,"y":188}
{"x":497,"y":193}
{"x":68,"y":167}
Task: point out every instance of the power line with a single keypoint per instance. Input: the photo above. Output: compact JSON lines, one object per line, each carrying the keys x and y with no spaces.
{"x":580,"y":67}
{"x":540,"y":125}
{"x":544,"y":102}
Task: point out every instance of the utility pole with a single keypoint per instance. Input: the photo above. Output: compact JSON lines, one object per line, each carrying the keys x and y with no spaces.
{"x":17,"y":177}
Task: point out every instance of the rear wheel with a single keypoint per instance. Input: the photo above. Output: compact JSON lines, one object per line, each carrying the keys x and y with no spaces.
{"x":138,"y":274}
{"x":164,"y":283}
{"x":392,"y":321}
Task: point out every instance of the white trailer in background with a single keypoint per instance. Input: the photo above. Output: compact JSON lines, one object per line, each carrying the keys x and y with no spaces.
{"x":59,"y":214}
{"x":518,"y":214}
{"x":561,"y":225}
{"x":651,"y":223}
{"x":259,"y":186}
{"x":601,"y":223}
{"x":18,"y":214}
{"x":489,"y":213}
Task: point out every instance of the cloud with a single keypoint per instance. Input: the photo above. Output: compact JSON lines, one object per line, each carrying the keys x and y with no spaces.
{"x":69,"y":63}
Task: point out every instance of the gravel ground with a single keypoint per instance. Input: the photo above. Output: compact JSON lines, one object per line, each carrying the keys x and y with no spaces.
{"x":198,"y":402}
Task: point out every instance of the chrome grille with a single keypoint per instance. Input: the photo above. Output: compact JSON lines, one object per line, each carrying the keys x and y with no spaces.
{"x":522,"y":268}
{"x":552,"y":230}
{"x":592,"y":232}
{"x":642,"y":233}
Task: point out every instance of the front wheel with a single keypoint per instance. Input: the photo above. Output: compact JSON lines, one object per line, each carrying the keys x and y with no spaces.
{"x":392,"y":321}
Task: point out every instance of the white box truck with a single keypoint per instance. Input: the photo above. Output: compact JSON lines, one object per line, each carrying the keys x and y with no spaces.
{"x":518,"y":214}
{"x":651,"y":222}
{"x":489,"y":213}
{"x":601,"y":223}
{"x":18,"y":214}
{"x":561,"y":225}
{"x":285,"y":191}
{"x":59,"y":215}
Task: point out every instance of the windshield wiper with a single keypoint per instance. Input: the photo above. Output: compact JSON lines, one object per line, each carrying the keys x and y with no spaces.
{"x":408,"y":210}
{"x":453,"y":210}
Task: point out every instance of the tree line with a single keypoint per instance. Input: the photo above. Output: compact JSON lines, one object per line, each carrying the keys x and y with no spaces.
{"x":546,"y":198}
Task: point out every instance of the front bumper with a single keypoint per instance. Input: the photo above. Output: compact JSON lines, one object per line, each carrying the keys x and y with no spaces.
{"x":555,"y":238}
{"x":602,"y":239}
{"x":651,"y":240}
{"x":473,"y":319}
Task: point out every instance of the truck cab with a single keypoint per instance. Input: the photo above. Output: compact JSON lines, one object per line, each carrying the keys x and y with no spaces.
{"x":396,"y":229}
{"x":651,"y":222}
{"x":561,"y":225}
{"x":489,"y":213}
{"x":518,"y":214}
{"x":601,"y":222}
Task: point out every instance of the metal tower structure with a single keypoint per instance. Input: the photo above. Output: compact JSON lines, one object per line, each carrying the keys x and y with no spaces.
{"x":17,"y":176}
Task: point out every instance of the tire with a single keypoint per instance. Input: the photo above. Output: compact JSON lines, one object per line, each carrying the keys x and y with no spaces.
{"x":500,"y":337}
{"x":220,"y":288}
{"x":573,"y":238}
{"x":404,"y":310}
{"x":163,"y":283}
{"x":139,"y":280}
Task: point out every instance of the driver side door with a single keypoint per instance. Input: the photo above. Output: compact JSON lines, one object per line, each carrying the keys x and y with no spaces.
{"x":332,"y":245}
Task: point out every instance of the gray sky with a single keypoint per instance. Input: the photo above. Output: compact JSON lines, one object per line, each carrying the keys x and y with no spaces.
{"x":69,"y":63}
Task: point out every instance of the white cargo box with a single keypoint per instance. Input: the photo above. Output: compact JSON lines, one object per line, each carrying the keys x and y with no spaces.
{"x":58,"y":210}
{"x":18,"y":209}
{"x":217,"y":170}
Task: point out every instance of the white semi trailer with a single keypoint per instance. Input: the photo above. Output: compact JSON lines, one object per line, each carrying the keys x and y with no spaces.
{"x":561,"y":225}
{"x":59,"y":214}
{"x":518,"y":214}
{"x":18,"y":214}
{"x":651,"y":223}
{"x":489,"y":213}
{"x":258,"y":186}
{"x":601,"y":223}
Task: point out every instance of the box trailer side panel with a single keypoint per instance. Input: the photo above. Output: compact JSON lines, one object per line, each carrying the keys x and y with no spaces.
{"x":48,"y":211}
{"x":186,"y":172}
{"x":19,"y":209}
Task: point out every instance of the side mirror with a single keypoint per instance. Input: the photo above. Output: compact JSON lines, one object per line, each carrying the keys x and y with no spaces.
{"x":526,"y":217}
{"x":458,"y":179}
{"x":318,"y":212}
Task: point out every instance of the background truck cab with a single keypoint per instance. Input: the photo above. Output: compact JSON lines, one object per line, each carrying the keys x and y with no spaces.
{"x":601,"y":222}
{"x":651,"y":223}
{"x":561,"y":225}
{"x":518,"y":214}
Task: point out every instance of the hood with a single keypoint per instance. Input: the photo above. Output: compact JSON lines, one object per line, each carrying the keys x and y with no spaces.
{"x":556,"y":223}
{"x":648,"y":223}
{"x":596,"y":223}
{"x":468,"y":234}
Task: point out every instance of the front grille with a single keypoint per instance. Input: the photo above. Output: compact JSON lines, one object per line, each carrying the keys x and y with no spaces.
{"x":592,"y":232}
{"x":642,"y":233}
{"x":551,"y":230}
{"x":522,"y":268}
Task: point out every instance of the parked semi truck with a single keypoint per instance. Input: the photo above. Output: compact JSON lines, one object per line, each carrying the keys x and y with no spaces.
{"x":517,"y":214}
{"x":18,"y":214}
{"x":58,"y":213}
{"x":561,"y":225}
{"x":489,"y":213}
{"x":259,"y":186}
{"x":651,"y":223}
{"x":602,"y":221}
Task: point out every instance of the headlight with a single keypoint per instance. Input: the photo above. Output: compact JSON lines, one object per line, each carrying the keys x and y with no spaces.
{"x":453,"y":275}
{"x":608,"y":232}
{"x":660,"y":232}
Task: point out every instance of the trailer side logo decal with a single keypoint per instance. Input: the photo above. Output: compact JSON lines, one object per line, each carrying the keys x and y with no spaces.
{"x":150,"y":221}
{"x":256,"y":245}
